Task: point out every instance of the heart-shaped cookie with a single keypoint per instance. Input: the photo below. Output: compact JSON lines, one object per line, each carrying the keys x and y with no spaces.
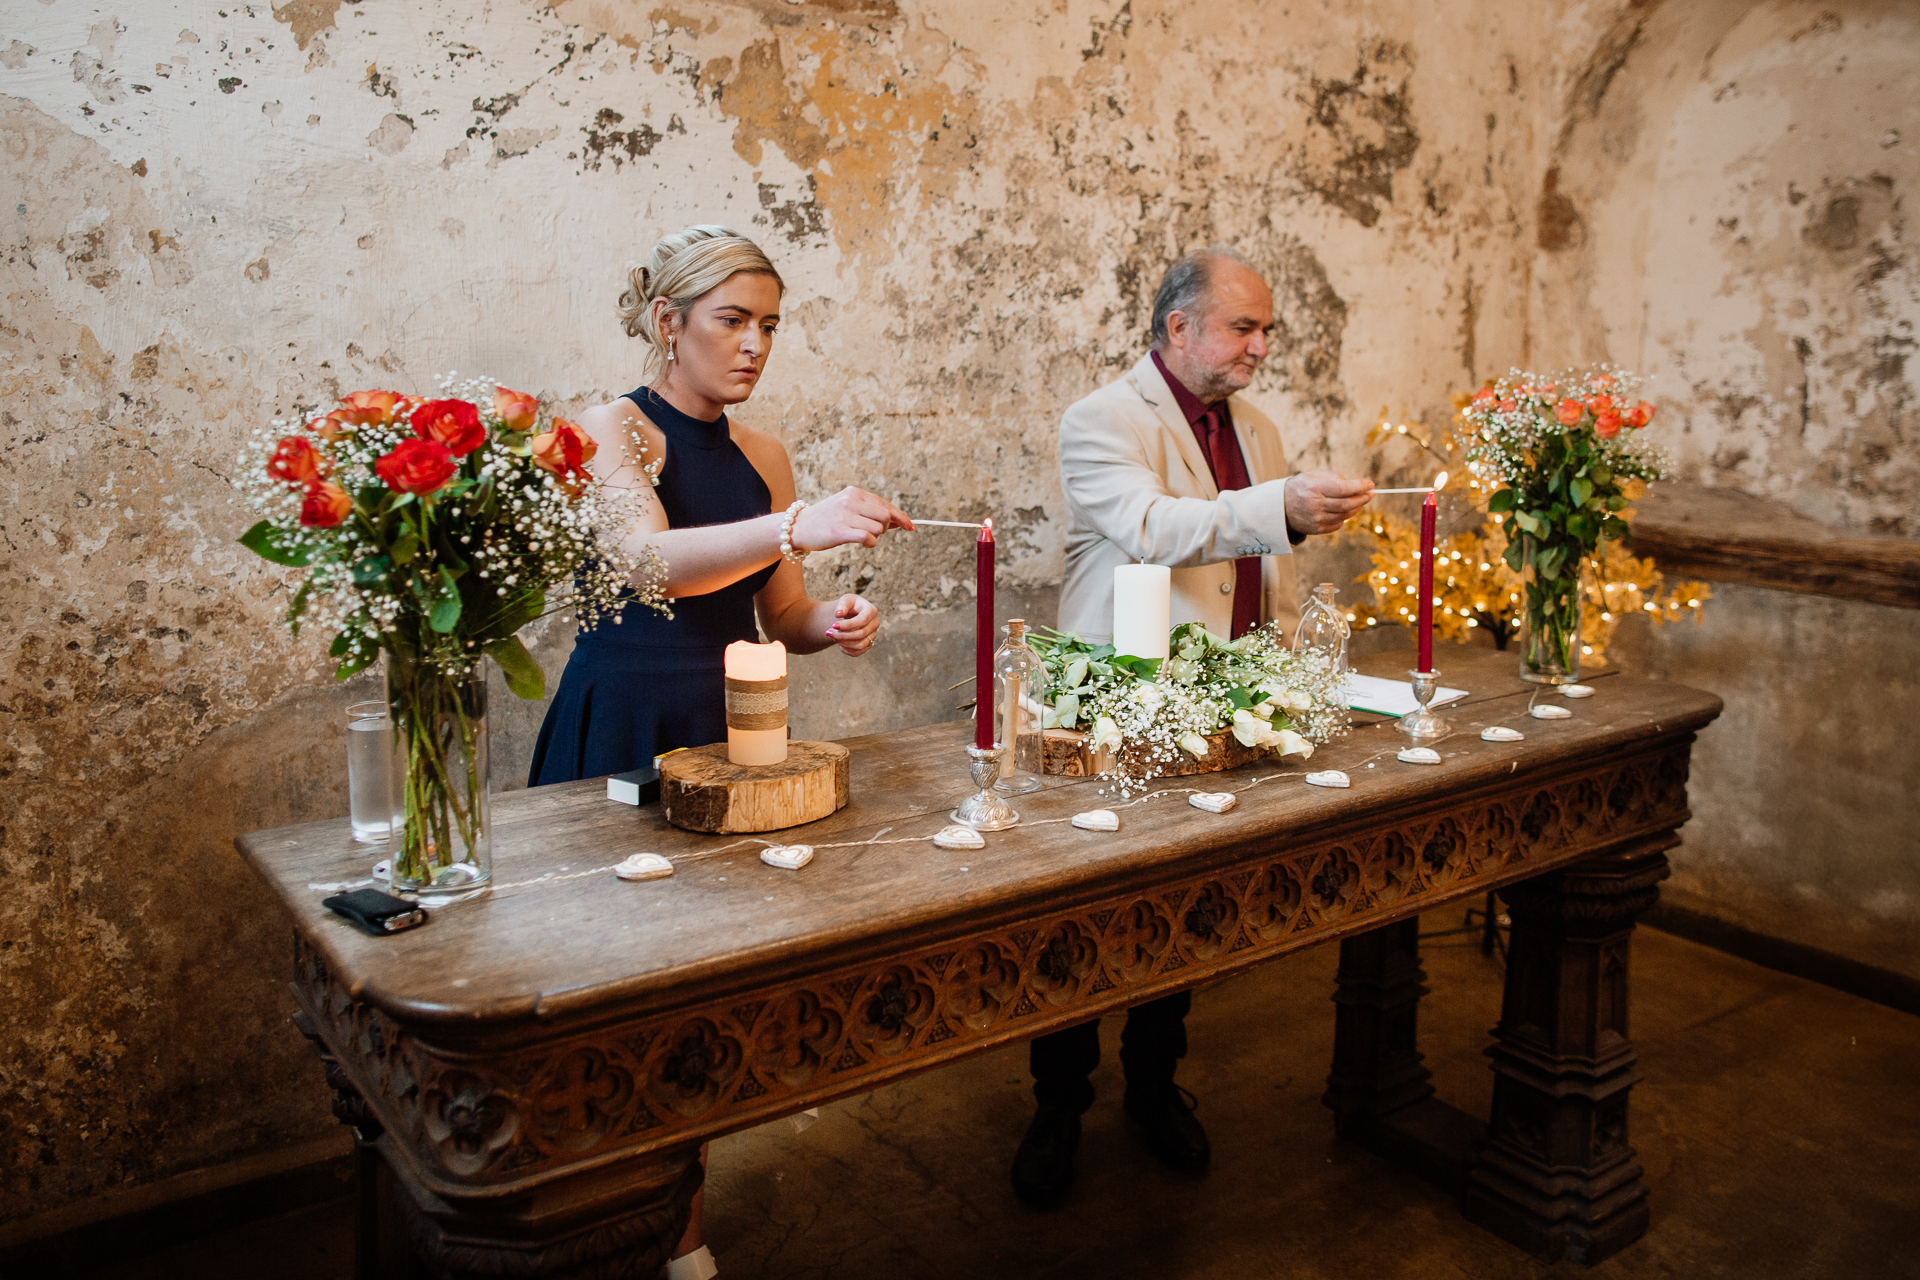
{"x":644,"y":866}
{"x":788,"y":857}
{"x":959,"y":837}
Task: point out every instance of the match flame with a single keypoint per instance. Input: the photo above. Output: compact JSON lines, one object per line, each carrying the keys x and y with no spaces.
{"x":986,"y":529}
{"x":1440,"y":481}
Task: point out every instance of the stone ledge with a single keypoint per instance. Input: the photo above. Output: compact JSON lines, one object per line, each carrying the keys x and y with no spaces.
{"x":1724,"y":535}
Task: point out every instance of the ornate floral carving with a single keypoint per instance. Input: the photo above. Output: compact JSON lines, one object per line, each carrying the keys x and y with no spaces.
{"x":1063,"y":963}
{"x":898,"y":1006}
{"x":581,"y":1097}
{"x":791,"y":1040}
{"x":467,"y":1121}
{"x":978,"y":985}
{"x":690,"y":1069}
{"x":1136,"y":937}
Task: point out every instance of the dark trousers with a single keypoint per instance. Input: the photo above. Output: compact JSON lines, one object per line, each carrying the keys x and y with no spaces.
{"x":1151,"y":1046}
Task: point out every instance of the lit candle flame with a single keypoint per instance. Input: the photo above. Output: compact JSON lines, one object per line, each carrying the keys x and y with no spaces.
{"x":1440,"y":481}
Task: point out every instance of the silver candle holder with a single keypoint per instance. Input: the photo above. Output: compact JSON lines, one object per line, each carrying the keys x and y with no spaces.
{"x":985,"y":811}
{"x":1424,"y":725}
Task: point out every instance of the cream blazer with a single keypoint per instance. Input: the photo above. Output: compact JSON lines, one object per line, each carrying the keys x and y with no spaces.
{"x":1138,"y":488}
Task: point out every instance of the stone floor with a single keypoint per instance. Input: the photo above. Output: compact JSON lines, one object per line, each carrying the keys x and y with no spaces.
{"x":1779,"y":1124}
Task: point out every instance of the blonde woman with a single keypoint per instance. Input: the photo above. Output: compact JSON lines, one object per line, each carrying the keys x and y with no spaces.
{"x":706,"y":304}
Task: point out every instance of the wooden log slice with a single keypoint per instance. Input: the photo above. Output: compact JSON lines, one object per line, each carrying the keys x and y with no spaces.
{"x":701,"y":790}
{"x":1068,"y":755}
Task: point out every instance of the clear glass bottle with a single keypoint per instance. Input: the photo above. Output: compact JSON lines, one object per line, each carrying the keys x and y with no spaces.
{"x":1324,"y":627}
{"x":1019,"y":679}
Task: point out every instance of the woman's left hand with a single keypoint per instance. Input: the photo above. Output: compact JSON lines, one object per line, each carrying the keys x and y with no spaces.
{"x":855,"y":624}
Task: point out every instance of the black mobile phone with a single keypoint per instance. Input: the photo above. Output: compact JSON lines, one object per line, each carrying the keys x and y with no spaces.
{"x":377,"y":913}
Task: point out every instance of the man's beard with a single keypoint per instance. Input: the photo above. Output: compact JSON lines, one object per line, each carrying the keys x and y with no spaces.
{"x":1219,"y":383}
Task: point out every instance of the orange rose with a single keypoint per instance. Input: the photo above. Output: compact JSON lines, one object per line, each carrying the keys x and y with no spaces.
{"x":1568,"y":412}
{"x":564,"y":451}
{"x":516,"y":410}
{"x":368,"y":408}
{"x":1640,"y":415}
{"x":1505,"y":406}
{"x":453,"y":423}
{"x":1599,"y":404}
{"x":326,"y":506}
{"x":416,"y":466}
{"x":296,"y":461}
{"x":1607,"y":425}
{"x":1548,"y":388}
{"x":1604,"y":381}
{"x":1483,"y":395}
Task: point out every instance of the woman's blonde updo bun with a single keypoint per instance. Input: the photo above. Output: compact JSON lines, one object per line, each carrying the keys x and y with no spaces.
{"x":682,"y":268}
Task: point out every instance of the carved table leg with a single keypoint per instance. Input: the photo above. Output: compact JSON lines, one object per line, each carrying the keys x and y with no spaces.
{"x":1557,"y":1177}
{"x":1380,"y":1090}
{"x":617,"y":1222}
{"x":350,"y":1109}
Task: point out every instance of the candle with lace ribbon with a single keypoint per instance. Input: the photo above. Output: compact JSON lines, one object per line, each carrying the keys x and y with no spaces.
{"x":756,"y":677}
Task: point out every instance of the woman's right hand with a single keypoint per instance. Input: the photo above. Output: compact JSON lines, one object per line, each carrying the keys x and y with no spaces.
{"x":851,"y":515}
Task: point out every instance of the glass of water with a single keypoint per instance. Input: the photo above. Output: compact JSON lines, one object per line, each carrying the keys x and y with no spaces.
{"x":374,"y":790}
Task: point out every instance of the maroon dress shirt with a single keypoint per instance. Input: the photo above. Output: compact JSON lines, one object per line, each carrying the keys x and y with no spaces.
{"x":1213,"y":427}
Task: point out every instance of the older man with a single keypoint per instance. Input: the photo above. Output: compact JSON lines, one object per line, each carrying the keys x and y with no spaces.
{"x":1169,"y":466}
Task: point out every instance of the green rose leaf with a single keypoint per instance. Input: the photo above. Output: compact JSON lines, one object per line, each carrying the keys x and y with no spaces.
{"x":524,"y":676}
{"x":445,"y":614}
{"x":277,"y":545}
{"x":1502,"y":500}
{"x":1581,"y":489}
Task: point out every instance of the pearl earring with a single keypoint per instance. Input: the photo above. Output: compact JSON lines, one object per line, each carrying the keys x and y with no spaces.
{"x":670,"y":356}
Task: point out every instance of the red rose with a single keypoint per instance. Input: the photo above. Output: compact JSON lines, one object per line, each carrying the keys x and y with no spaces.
{"x":453,"y":423}
{"x":1640,"y":415}
{"x":516,"y":410}
{"x":565,"y":451}
{"x":326,"y":506}
{"x":296,"y":461}
{"x":1568,"y":412}
{"x":368,"y":408}
{"x":1607,"y":425}
{"x":416,"y":466}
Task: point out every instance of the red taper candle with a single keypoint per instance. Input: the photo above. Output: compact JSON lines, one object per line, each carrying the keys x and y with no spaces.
{"x":983,"y":640}
{"x":1428,"y":511}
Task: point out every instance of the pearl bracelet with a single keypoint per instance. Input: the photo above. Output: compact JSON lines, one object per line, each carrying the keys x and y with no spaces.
{"x":787,"y":551}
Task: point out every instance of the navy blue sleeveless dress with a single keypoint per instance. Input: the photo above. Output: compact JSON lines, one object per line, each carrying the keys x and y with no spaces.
{"x":650,"y":684}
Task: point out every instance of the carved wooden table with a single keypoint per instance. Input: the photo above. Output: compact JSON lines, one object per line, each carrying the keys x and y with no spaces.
{"x":532,"y":1074}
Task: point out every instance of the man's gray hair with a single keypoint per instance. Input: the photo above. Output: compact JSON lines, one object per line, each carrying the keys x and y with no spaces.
{"x":1186,"y":282}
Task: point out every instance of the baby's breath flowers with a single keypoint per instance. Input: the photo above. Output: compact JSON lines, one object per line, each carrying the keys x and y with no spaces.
{"x":433,"y":530}
{"x":1147,"y":713}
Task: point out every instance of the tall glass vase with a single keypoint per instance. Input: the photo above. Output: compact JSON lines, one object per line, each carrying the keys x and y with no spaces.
{"x":1550,"y":615}
{"x":445,"y":851}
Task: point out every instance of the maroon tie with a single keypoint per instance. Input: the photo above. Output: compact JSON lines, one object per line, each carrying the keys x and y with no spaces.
{"x":1217,"y":440}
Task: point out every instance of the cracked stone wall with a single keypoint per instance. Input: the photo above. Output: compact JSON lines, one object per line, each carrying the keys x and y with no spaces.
{"x":226,"y":213}
{"x":1725,"y":207}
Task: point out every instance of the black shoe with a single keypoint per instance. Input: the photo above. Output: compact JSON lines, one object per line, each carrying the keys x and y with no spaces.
{"x":1168,"y":1129}
{"x":1043,"y":1166}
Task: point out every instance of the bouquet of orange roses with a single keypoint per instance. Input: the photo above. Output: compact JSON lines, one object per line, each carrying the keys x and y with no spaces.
{"x":1565,"y":457}
{"x":433,"y":530}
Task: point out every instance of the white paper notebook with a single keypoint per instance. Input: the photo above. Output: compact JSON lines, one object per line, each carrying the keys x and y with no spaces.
{"x":1391,"y":697}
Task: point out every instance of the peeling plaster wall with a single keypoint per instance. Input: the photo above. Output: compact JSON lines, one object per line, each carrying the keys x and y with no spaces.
{"x":1724,"y":207}
{"x":226,"y":214}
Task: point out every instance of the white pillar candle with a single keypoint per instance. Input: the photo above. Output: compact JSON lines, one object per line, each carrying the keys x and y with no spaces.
{"x":1142,"y":609}
{"x":756,"y":703}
